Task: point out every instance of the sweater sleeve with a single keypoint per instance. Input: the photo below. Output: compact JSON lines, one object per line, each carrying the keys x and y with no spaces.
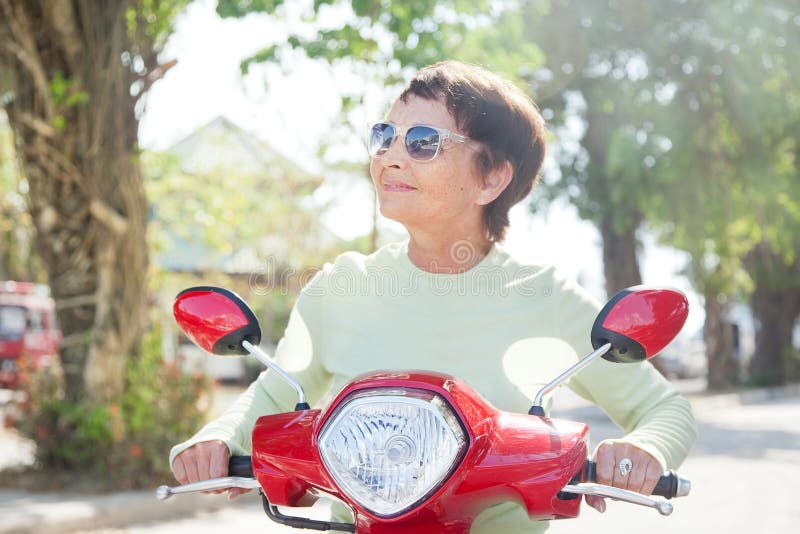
{"x":298,"y":353}
{"x":651,"y":412}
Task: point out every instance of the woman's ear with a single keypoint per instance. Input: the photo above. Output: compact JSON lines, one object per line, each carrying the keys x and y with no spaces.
{"x":495,"y":183}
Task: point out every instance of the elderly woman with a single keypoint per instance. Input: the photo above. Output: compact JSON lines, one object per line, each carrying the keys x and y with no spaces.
{"x":456,"y":151}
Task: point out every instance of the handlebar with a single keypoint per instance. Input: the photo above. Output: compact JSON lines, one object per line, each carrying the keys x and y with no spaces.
{"x":240,"y":466}
{"x":669,"y":485}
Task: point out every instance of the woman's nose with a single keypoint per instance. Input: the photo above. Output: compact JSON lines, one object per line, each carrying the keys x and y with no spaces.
{"x":395,"y":155}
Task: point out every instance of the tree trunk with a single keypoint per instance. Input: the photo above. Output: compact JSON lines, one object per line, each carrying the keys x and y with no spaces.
{"x":620,"y":262}
{"x":776,"y":305}
{"x":775,"y":312}
{"x":76,"y":131}
{"x":718,"y":336}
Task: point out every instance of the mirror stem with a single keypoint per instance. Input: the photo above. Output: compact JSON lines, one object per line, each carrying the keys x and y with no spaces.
{"x":264,"y":358}
{"x":537,"y":409}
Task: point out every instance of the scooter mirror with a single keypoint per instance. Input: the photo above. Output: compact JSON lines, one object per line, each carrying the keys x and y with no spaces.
{"x":638,"y":322}
{"x":216,"y":320}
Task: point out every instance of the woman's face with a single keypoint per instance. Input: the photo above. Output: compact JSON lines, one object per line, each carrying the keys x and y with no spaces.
{"x":442,"y":193}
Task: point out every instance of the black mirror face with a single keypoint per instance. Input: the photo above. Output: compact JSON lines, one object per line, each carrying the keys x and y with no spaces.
{"x":639,"y":322}
{"x":216,"y":320}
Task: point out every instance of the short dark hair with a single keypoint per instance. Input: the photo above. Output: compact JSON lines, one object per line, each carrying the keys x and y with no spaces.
{"x":496,"y":113}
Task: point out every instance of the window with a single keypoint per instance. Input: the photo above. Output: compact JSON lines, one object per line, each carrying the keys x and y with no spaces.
{"x":12,"y":322}
{"x":35,"y":321}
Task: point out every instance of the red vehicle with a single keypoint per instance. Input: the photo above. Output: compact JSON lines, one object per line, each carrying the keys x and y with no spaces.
{"x":417,"y":451}
{"x":29,"y":333}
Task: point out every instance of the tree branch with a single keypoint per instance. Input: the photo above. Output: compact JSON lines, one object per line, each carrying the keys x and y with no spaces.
{"x":108,"y":216}
{"x":23,"y":46}
{"x":154,"y":75}
{"x":61,"y":19}
{"x":74,"y":302}
{"x":37,"y":125}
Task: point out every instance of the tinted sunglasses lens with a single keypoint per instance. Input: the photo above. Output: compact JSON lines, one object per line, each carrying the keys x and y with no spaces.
{"x":380,"y":137}
{"x":422,"y":143}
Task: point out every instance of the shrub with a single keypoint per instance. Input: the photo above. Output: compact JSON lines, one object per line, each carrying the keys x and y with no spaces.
{"x":125,"y":443}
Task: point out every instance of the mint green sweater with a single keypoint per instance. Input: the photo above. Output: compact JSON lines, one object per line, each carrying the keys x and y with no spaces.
{"x":504,"y":327}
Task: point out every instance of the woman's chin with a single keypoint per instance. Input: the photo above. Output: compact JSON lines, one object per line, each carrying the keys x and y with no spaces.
{"x":394,"y":212}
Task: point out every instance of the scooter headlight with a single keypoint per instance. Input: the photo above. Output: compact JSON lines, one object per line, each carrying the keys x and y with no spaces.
{"x":389,"y":449}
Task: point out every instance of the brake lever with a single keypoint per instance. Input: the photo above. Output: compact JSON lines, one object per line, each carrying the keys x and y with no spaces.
{"x":601,"y":490}
{"x":165,"y":492}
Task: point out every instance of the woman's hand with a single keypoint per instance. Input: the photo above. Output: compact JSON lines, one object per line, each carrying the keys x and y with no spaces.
{"x":205,"y":460}
{"x":642,"y":477}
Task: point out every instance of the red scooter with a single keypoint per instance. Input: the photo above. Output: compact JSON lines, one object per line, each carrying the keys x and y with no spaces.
{"x":422,"y":450}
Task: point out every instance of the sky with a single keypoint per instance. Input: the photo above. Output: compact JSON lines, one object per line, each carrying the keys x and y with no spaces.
{"x":292,"y":111}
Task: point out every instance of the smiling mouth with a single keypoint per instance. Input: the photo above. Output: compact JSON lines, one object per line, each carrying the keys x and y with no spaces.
{"x":397,"y":187}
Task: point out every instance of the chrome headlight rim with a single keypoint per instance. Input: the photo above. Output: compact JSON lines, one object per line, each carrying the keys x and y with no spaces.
{"x":446,"y":410}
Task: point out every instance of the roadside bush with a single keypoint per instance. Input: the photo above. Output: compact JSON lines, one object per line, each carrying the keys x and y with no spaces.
{"x":125,"y":443}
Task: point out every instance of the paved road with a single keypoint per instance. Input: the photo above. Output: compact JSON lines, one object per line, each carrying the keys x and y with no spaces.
{"x":740,"y":468}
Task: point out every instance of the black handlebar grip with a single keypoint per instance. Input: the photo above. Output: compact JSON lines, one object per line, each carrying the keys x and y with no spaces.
{"x":240,"y":466}
{"x":669,"y":485}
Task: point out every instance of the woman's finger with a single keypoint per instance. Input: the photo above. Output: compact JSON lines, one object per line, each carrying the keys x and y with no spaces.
{"x":604,"y":459}
{"x":219,"y":460}
{"x":638,"y":473}
{"x":235,"y":492}
{"x":179,"y":470}
{"x":189,"y":459}
{"x":654,"y":473}
{"x":596,"y":502}
{"x":622,"y":459}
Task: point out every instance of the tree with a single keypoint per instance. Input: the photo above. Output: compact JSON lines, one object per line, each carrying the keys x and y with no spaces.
{"x":733,"y":122}
{"x":593,"y":79}
{"x":78,"y":72}
{"x":680,"y":102}
{"x":597,"y":89}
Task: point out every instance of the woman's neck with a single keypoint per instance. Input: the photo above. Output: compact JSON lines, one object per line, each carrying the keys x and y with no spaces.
{"x":451,"y":254}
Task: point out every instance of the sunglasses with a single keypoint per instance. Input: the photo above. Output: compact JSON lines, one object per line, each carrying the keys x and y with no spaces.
{"x":423,"y":142}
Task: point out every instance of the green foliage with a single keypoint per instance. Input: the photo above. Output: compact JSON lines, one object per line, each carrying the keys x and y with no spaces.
{"x":66,"y":92}
{"x":160,"y":408}
{"x":690,"y":110}
{"x":125,"y":443}
{"x":68,"y":435}
{"x":381,"y":40}
{"x":241,"y":8}
{"x":153,"y":19}
{"x":733,"y":121}
{"x":412,"y":33}
{"x":18,"y":260}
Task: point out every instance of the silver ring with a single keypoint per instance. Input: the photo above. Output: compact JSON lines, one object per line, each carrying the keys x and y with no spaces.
{"x":625,"y":466}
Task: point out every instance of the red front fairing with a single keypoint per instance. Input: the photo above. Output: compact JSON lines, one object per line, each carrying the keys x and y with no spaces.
{"x":510,"y":457}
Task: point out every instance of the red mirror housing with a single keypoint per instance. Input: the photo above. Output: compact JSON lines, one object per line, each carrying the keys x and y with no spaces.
{"x":216,"y":320}
{"x":639,"y":321}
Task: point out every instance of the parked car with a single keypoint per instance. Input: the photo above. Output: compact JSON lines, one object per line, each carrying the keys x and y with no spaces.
{"x":685,"y":358}
{"x":29,"y":332}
